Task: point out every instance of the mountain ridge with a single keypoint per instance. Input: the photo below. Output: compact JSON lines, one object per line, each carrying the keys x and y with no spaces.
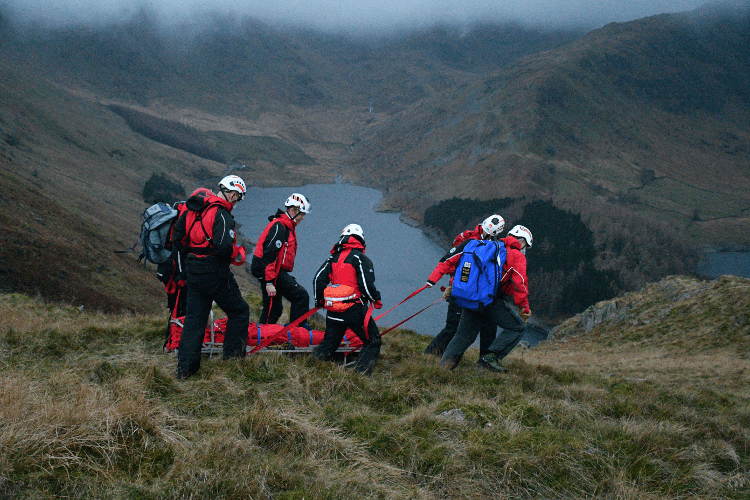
{"x":542,"y":123}
{"x":539,"y":126}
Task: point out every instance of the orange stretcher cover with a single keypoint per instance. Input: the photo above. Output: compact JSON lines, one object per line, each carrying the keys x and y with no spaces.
{"x":261,"y":336}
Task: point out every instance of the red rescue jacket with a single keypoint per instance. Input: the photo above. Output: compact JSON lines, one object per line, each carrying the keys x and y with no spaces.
{"x":347,"y":265}
{"x":515,"y":282}
{"x":200,"y":238}
{"x":474,"y":234}
{"x":276,"y":248}
{"x":205,"y":232}
{"x":448,"y":262}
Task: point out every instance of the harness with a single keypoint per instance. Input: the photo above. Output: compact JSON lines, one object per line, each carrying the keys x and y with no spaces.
{"x":207,"y":247}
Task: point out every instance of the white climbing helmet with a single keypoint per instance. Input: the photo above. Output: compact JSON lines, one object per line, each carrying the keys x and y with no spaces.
{"x":299,"y":201}
{"x":522,"y":232}
{"x":354,"y":230}
{"x":233,"y":183}
{"x":493,"y":225}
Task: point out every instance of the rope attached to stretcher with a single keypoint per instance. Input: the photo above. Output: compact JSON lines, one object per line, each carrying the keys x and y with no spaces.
{"x":291,"y":325}
{"x":410,"y":317}
{"x":407,"y":298}
{"x":415,"y":292}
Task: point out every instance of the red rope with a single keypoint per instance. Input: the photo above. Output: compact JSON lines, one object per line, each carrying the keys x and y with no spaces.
{"x":407,"y":298}
{"x":410,"y":317}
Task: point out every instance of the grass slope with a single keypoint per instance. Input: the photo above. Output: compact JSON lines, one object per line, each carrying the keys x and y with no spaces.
{"x":90,"y":408}
{"x":71,"y":180}
{"x":71,"y":183}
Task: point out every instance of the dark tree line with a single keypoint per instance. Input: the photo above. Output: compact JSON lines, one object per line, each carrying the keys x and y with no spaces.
{"x":170,"y":133}
{"x":450,"y":217}
{"x":161,"y":188}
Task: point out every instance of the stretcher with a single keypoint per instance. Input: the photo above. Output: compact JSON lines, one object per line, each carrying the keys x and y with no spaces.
{"x":276,"y":338}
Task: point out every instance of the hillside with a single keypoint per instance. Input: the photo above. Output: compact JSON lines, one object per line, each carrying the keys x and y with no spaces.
{"x":87,"y":116}
{"x":312,"y":88}
{"x":638,"y":128}
{"x":72,"y":178}
{"x":641,"y":397}
{"x":681,"y":327}
{"x":647,"y":117}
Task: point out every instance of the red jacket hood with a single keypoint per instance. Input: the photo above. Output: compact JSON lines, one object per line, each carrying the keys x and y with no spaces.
{"x":348,"y":242}
{"x":284,"y":218}
{"x":200,"y":199}
{"x":512,"y":242}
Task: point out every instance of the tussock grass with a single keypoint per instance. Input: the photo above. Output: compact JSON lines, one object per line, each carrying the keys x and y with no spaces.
{"x":90,"y":408}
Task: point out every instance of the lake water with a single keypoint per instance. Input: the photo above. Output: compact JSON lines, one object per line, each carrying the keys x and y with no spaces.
{"x":721,"y":263}
{"x":403,"y":256}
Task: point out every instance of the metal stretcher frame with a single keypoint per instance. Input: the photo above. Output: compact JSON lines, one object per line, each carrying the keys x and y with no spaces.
{"x":210,"y":348}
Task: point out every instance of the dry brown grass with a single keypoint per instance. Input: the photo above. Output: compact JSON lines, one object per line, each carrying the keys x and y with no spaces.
{"x":90,"y":408}
{"x":678,"y":330}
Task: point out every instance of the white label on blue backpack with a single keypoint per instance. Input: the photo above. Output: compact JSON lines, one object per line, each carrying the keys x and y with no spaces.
{"x":465,"y":270}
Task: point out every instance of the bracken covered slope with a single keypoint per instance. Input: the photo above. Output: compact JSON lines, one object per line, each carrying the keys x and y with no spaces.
{"x":649,"y":117}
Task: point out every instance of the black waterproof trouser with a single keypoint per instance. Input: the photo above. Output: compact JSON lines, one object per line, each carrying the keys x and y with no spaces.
{"x":499,"y":313}
{"x":288,"y":288}
{"x":442,"y":339}
{"x":336,"y":325}
{"x":440,"y":343}
{"x":203,"y":289}
{"x":505,"y":341}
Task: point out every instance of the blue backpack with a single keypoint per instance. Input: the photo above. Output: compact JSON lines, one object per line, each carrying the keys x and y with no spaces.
{"x":478,"y":273}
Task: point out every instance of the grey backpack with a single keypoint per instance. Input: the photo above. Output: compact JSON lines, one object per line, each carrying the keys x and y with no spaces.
{"x":155,"y":230}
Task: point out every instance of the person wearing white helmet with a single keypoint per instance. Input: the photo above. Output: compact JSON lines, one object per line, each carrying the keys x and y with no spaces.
{"x":489,"y":229}
{"x":205,"y":234}
{"x":510,"y":310}
{"x":232,"y":188}
{"x":349,"y":277}
{"x":523,"y":235}
{"x":273,"y":261}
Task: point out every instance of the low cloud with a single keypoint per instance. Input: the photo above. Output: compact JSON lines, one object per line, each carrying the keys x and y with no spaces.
{"x":356,"y":16}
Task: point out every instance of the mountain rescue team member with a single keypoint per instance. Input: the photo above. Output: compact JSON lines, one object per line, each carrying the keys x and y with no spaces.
{"x":172,"y":271}
{"x":349,"y":269}
{"x":273,"y":260}
{"x":510,"y":310}
{"x":489,"y":229}
{"x":205,"y":232}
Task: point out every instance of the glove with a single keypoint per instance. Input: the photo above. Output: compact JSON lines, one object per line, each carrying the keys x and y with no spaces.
{"x":447,"y":292}
{"x":525,"y":314}
{"x":238,"y":256}
{"x":270,"y":290}
{"x":377,"y":304}
{"x":429,"y":284}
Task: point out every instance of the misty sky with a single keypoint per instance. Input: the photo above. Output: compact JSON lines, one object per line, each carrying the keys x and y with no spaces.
{"x":359,"y":15}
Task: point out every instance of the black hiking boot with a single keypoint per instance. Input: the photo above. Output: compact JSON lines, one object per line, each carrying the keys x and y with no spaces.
{"x":490,"y":362}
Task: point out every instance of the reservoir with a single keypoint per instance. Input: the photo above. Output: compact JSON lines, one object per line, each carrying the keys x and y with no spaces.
{"x":402,"y":255}
{"x":720,"y":263}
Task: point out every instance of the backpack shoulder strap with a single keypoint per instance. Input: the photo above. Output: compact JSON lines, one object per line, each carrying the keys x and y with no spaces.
{"x":199,"y":219}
